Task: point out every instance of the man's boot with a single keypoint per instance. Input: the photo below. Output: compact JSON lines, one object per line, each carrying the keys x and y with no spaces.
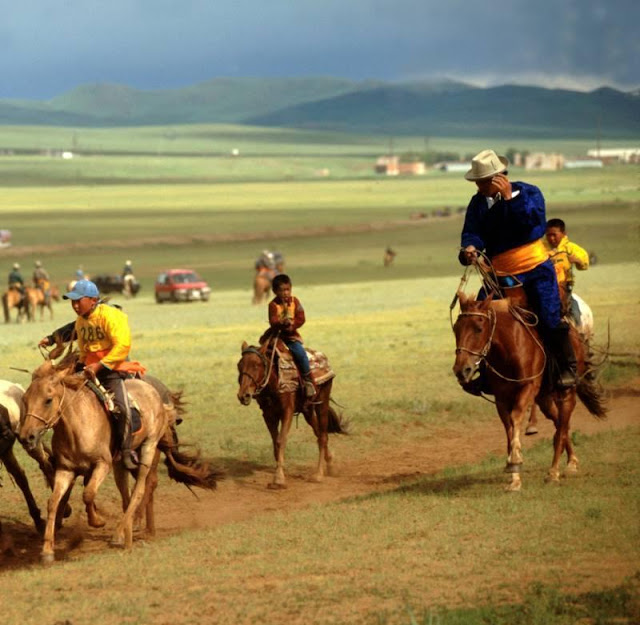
{"x":309,"y":388}
{"x":565,"y":356}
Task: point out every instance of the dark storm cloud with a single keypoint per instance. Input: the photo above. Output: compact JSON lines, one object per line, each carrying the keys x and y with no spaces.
{"x":46,"y":47}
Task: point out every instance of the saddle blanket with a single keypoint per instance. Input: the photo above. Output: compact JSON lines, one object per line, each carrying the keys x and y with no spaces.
{"x":288,"y":377}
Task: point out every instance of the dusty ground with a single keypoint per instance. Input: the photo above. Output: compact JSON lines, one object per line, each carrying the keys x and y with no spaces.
{"x":245,"y":494}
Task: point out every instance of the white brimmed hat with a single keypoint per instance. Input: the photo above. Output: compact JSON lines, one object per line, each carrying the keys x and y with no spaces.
{"x":486,"y":164}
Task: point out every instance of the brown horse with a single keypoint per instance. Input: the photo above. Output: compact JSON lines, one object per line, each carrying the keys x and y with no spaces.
{"x":262,"y":286}
{"x":257,"y":377}
{"x":14,"y":299}
{"x":498,"y":335}
{"x":83,"y":445}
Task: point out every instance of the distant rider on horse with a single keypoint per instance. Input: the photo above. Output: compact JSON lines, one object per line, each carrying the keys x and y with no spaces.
{"x":15,"y":280}
{"x":507,"y":221}
{"x":41,"y":281}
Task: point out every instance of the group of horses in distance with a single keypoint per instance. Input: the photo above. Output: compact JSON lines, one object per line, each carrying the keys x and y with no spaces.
{"x":26,"y":305}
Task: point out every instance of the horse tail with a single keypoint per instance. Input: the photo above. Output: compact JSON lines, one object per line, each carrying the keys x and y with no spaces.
{"x":337,"y":423}
{"x":187,"y":468}
{"x":592,"y":396}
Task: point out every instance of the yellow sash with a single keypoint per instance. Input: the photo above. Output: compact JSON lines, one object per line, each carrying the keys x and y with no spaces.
{"x":520,"y":259}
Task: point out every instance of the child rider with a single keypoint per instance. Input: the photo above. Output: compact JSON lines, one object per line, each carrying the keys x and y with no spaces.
{"x":286,"y":315}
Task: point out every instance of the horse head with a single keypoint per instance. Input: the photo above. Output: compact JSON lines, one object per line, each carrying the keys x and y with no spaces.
{"x":473,"y":330}
{"x":42,"y":403}
{"x":253,"y":369}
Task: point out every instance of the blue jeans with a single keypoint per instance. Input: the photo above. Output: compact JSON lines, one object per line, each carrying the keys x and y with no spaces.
{"x":300,"y":356}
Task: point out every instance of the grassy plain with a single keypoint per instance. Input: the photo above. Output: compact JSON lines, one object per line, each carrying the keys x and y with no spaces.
{"x":417,"y":553}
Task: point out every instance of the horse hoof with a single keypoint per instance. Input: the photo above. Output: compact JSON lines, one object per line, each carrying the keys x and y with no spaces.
{"x":274,"y":486}
{"x":531,"y":429}
{"x":552,"y":478}
{"x":317,"y":479}
{"x":117,"y":543}
{"x":47,"y":558}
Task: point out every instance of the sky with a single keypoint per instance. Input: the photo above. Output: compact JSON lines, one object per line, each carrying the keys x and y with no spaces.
{"x":48,"y":47}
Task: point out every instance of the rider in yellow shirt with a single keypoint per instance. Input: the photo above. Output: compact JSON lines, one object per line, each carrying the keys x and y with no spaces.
{"x":564,"y":255}
{"x":104,"y":341}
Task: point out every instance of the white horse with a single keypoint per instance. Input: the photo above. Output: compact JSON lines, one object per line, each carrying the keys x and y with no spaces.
{"x":585,"y":330}
{"x":10,"y":410}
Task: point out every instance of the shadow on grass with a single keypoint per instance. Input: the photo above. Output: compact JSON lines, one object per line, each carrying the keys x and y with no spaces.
{"x":543,"y":604}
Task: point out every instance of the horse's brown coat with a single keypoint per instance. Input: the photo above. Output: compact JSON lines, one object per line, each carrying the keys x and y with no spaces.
{"x":515,"y":361}
{"x":258,"y":378}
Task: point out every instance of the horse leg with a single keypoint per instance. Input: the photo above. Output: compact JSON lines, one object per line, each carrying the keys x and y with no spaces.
{"x":152,"y":484}
{"x":123,"y":535}
{"x":62,"y":482}
{"x":20,"y":478}
{"x":532,"y":425}
{"x":320,"y":424}
{"x":285,"y":425}
{"x":121,"y":476}
{"x":565,"y":402}
{"x":100,"y":471}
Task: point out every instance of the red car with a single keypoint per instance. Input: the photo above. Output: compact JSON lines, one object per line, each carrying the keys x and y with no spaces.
{"x":181,"y":285}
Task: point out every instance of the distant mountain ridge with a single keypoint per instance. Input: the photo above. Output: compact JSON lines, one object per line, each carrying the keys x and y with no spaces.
{"x":434,"y":108}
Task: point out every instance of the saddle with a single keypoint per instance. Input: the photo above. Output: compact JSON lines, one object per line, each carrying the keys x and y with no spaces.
{"x":287,"y":371}
{"x":106,"y":401}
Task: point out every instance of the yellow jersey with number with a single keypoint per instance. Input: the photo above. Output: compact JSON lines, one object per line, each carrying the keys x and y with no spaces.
{"x":104,"y":336}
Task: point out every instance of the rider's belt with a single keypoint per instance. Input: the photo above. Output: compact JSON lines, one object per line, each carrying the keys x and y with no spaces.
{"x":520,"y":259}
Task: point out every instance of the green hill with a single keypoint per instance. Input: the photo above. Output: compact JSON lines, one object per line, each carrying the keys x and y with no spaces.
{"x":435,"y":108}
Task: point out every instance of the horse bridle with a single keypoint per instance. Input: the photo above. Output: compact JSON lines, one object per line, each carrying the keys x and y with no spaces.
{"x":491,"y":316}
{"x":267,"y":370}
{"x":485,"y":350}
{"x":51,"y":424}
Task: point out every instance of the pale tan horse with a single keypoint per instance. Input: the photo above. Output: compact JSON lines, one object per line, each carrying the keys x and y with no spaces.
{"x":83,"y":445}
{"x":262,"y":286}
{"x":38,"y":300}
{"x":14,"y":299}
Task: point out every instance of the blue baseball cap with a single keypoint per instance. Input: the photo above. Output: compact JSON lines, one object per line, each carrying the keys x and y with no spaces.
{"x":82,"y":288}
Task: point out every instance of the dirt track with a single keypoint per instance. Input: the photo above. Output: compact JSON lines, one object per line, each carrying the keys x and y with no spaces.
{"x":245,"y":494}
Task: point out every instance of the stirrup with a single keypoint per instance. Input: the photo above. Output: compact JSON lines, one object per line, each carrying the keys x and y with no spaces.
{"x":129,"y":459}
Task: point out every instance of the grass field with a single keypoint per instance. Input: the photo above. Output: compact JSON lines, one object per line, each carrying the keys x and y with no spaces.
{"x":446,"y":546}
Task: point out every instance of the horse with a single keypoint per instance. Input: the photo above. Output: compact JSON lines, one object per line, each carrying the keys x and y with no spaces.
{"x":258,"y":378}
{"x":389,"y":257}
{"x":498,"y":334}
{"x":37,"y":299}
{"x":262,"y":286}
{"x":83,"y":445}
{"x":14,"y":299}
{"x":585,"y":331}
{"x":10,"y":404}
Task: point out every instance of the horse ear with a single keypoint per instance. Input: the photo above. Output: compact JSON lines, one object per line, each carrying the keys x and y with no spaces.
{"x":244,"y":345}
{"x":488,"y":299}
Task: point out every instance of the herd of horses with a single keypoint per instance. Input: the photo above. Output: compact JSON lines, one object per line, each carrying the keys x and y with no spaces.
{"x":495,"y":335}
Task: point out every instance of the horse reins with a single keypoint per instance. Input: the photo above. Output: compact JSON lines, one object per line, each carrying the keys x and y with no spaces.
{"x":268,"y":365}
{"x":483,"y":354}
